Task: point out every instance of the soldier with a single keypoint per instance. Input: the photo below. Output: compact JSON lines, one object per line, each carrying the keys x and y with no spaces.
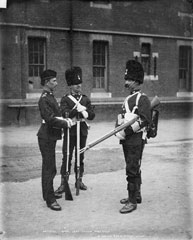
{"x":133,"y":137}
{"x":48,"y":134}
{"x":75,"y":105}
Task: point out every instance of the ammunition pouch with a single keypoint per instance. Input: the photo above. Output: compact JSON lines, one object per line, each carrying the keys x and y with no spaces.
{"x":153,"y":127}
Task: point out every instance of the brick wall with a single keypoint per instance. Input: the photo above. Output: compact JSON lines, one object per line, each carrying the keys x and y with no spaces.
{"x":125,"y":24}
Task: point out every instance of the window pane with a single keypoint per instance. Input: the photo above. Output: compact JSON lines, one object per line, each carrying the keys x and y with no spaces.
{"x":31,"y":71}
{"x":36,"y":58}
{"x":41,"y":60}
{"x":30,"y":58}
{"x":36,"y":71}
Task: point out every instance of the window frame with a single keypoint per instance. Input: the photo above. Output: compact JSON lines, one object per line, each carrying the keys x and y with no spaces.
{"x":185,"y":63}
{"x":103,"y":65}
{"x":146,"y":58}
{"x":37,"y":54}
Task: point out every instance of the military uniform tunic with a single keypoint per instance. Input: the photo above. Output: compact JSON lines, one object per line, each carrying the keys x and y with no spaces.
{"x":49,"y":132}
{"x":133,"y":144}
{"x":67,"y":109}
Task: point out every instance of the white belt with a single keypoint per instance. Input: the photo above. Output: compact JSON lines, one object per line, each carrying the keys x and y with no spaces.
{"x":81,"y":120}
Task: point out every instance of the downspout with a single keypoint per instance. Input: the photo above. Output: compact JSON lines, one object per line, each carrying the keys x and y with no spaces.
{"x":24,"y":83}
{"x":71,"y":33}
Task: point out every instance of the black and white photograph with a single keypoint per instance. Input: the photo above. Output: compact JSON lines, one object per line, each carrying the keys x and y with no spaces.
{"x":96,"y":119}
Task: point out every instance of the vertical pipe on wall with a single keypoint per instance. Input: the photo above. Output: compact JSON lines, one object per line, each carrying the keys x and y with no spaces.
{"x":71,"y":33}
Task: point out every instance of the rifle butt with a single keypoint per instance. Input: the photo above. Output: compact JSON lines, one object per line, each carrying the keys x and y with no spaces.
{"x":78,"y":181}
{"x":155,"y":102}
{"x":68,"y":194}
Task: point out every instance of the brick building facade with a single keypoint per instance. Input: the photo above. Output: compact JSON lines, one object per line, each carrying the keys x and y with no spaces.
{"x":98,"y":36}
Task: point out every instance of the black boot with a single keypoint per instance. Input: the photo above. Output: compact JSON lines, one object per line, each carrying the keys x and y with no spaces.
{"x":138,"y":194}
{"x":61,"y":188}
{"x":138,"y":197}
{"x":130,"y":205}
{"x":82,"y":186}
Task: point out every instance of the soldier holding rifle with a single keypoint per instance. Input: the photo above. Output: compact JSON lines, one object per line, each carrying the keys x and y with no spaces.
{"x":133,"y":138}
{"x":76,"y":106}
{"x":48,"y":134}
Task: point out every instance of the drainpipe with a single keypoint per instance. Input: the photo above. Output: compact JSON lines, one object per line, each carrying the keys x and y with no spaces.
{"x":71,"y":33}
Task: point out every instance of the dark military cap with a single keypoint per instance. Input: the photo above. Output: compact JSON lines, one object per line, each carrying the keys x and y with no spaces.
{"x":47,"y":75}
{"x":134,"y":71}
{"x":73,"y":76}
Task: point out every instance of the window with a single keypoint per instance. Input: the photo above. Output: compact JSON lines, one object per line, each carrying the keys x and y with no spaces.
{"x":185,"y":55}
{"x":146,"y":57}
{"x":36,"y":60}
{"x":149,"y":59}
{"x":100,"y":54}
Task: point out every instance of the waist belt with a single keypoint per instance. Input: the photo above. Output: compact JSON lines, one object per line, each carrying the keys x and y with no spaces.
{"x":44,"y":122}
{"x":81,"y":120}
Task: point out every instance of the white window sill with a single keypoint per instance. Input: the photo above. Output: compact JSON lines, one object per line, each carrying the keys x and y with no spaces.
{"x":101,"y":5}
{"x":101,"y":95}
{"x":33,"y":95}
{"x":184,"y":94}
{"x":151,"y":78}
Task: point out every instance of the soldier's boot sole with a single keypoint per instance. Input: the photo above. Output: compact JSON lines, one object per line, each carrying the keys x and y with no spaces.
{"x":129,"y":207}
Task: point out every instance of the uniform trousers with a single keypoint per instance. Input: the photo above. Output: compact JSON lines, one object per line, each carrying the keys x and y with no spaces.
{"x":47,"y":149}
{"x":133,"y":156}
{"x":73,"y":143}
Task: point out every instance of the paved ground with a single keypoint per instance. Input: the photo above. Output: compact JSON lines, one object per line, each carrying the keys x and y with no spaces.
{"x":166,"y":211}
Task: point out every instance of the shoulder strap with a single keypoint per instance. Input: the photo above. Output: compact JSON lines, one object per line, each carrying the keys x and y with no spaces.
{"x":126,"y":105}
{"x":74,"y":100}
{"x":137,"y":102}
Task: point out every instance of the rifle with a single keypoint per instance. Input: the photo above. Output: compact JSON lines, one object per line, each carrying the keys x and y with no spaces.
{"x":78,"y":157}
{"x":155,"y":102}
{"x":111,"y":133}
{"x":68,"y":195}
{"x":153,"y":127}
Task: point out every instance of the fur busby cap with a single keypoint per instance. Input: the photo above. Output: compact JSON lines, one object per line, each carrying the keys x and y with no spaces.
{"x":134,"y":71}
{"x":73,"y":76}
{"x":47,"y":75}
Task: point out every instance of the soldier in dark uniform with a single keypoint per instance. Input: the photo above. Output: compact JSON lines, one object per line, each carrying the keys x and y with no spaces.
{"x":133,"y":137}
{"x":48,"y":134}
{"x":76,"y":106}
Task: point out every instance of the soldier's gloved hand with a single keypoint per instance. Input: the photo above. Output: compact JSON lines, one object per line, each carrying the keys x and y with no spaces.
{"x":74,"y":121}
{"x":129,"y":116}
{"x":85,"y":114}
{"x":120,"y":135}
{"x":80,"y":108}
{"x":120,"y":119}
{"x":69,"y":122}
{"x":60,"y":118}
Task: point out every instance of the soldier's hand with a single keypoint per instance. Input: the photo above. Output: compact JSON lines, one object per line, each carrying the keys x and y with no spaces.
{"x":74,"y":121}
{"x":69,"y":122}
{"x":80,"y":108}
{"x":60,"y":118}
{"x":85,"y":114}
{"x":129,"y":116}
